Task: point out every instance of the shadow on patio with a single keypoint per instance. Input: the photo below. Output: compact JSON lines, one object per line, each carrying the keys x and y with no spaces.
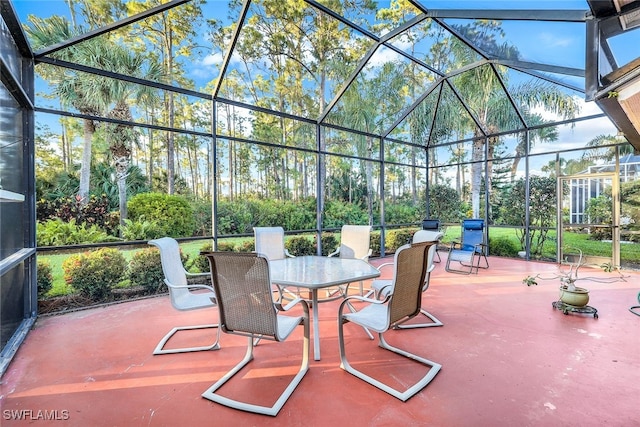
{"x":508,"y":359}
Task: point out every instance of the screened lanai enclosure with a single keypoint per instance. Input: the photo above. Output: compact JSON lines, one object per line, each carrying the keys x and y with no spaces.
{"x":313,"y":114}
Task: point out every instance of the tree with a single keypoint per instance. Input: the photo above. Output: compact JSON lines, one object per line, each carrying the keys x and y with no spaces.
{"x":542,"y":210}
{"x":173,"y":31}
{"x":77,"y":90}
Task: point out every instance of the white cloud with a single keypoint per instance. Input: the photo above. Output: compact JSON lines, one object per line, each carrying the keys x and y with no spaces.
{"x":550,"y":40}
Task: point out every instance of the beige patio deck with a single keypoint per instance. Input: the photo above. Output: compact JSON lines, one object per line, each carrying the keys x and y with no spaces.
{"x":509,"y":359}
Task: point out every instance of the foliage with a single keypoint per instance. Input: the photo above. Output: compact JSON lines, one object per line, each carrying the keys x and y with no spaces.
{"x":503,"y":246}
{"x":145,"y":269}
{"x":375,"y":239}
{"x":175,"y":212}
{"x":103,"y":182}
{"x":141,"y":229}
{"x":94,"y":274}
{"x":398,"y":237}
{"x":247,"y":246}
{"x":542,"y":210}
{"x":57,"y":232}
{"x":59,"y":186}
{"x":45,"y":278}
{"x":444,"y":203}
{"x":402,"y":213}
{"x":300,"y":245}
{"x":94,"y":212}
{"x":337,"y":214}
{"x":200,"y":263}
{"x":329,"y":243}
{"x":202,"y":214}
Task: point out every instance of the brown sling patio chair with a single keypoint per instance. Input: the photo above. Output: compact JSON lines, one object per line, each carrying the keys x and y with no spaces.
{"x":242,"y":284}
{"x":383,"y":287}
{"x":381,"y":315}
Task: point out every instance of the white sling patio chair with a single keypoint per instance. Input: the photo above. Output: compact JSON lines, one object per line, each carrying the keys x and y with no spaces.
{"x":269,"y":241}
{"x":381,"y":315}
{"x":354,"y":244}
{"x":243,"y":285}
{"x":383,"y":287}
{"x":184,"y":296}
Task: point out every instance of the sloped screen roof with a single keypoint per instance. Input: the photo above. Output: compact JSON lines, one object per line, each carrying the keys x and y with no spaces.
{"x":426,"y":72}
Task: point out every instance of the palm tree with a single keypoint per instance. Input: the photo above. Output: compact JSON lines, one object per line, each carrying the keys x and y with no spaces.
{"x":117,"y":95}
{"x":76,"y":90}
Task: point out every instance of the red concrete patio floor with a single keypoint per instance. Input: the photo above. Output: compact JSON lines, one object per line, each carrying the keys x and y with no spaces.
{"x":509,"y":359}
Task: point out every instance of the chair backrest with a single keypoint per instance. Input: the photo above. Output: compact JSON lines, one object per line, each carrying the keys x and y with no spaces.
{"x":242,"y":284}
{"x":422,"y":236}
{"x":472,"y":233}
{"x":355,"y":241}
{"x":174,"y":272}
{"x":408,"y":279}
{"x":431,"y":224}
{"x":270,"y":242}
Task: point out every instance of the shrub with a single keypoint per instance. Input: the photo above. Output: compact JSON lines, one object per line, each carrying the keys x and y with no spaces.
{"x":329,"y":243}
{"x":226,"y":246}
{"x":45,"y":278}
{"x":95,"y":212}
{"x":338,"y":213}
{"x":141,"y":229}
{"x":503,"y":246}
{"x":398,"y":237}
{"x":398,"y":213}
{"x":203,"y":217}
{"x":375,"y":243}
{"x":94,"y":274}
{"x":201,"y":263}
{"x":300,"y":245}
{"x":175,"y":212}
{"x":145,"y":269}
{"x":247,"y":246}
{"x":56,"y":232}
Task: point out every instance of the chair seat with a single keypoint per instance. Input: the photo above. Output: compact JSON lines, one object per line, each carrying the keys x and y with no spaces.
{"x":373,"y":316}
{"x":460,"y":255}
{"x":287,"y":324}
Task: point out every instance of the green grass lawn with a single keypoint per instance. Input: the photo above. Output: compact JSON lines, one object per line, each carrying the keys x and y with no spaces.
{"x":629,"y":253}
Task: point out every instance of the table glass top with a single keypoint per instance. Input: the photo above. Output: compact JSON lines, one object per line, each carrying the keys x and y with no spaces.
{"x":319,"y":272}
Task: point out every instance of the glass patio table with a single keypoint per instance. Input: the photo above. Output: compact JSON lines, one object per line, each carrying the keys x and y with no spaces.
{"x":319,"y":272}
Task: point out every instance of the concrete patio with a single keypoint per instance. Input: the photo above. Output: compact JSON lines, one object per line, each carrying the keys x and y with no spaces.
{"x":509,"y":359}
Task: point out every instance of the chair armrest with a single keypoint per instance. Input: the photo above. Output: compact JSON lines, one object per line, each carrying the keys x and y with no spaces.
{"x":190,"y":287}
{"x":347,"y":300}
{"x":386,"y":264}
{"x":482,"y":247}
{"x":286,"y":252}
{"x":289,"y":306}
{"x":336,"y":252}
{"x":366,"y":257}
{"x":455,"y":243}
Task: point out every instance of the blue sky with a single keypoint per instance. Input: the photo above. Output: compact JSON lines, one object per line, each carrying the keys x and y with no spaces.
{"x":551,"y":43}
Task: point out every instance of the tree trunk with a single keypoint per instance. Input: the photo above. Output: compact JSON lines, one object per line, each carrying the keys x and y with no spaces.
{"x":85,"y":168}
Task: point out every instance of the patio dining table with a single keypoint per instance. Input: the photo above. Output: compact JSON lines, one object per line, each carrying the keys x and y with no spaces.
{"x":318,"y":272}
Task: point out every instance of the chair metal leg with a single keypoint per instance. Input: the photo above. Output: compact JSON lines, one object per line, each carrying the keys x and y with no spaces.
{"x":211,"y":394}
{"x":434,"y":322}
{"x":402,"y":395}
{"x":161,"y":350}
